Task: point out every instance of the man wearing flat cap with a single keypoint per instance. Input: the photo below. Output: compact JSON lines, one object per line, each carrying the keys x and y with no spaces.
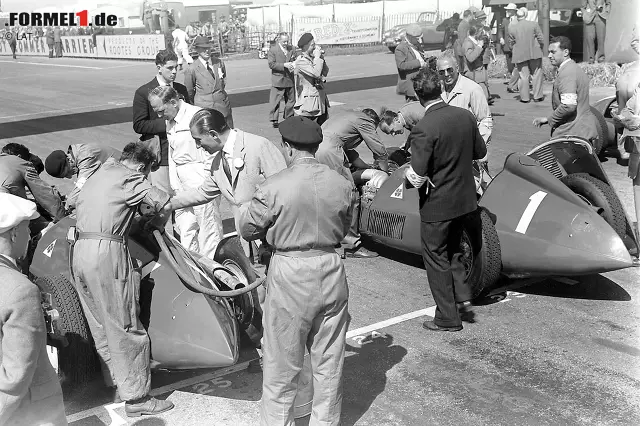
{"x":303,"y":212}
{"x":409,"y":60}
{"x":205,"y":80}
{"x":309,"y":72}
{"x":80,"y":161}
{"x":30,"y":392}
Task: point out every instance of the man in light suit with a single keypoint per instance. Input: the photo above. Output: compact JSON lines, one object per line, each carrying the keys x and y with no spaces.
{"x":242,"y":161}
{"x":205,"y":80}
{"x":443,"y":146}
{"x":149,"y":125}
{"x":526,"y":41}
{"x":463,"y":32}
{"x":594,"y":17}
{"x":280,"y":62}
{"x":409,"y":60}
{"x":30,"y":392}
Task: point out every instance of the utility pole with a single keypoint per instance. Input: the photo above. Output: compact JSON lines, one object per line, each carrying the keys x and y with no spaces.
{"x":543,"y":20}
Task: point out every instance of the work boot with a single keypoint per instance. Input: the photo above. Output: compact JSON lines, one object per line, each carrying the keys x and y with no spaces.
{"x":147,"y":405}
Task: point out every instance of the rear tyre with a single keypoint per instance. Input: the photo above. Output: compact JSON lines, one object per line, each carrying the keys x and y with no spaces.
{"x":600,"y":195}
{"x":481,"y":257}
{"x":603,"y":132}
{"x":78,"y":362}
{"x":246,"y":306}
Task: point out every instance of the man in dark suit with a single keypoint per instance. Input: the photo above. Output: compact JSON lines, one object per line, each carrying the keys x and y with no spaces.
{"x":409,"y":60}
{"x":594,"y":18}
{"x":147,"y":123}
{"x":526,"y":41}
{"x":443,"y":146}
{"x":281,"y":64}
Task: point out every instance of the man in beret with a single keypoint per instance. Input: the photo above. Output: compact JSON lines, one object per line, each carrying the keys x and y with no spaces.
{"x":310,"y":70}
{"x":409,"y":60}
{"x":80,"y":161}
{"x":25,"y":370}
{"x":303,"y":212}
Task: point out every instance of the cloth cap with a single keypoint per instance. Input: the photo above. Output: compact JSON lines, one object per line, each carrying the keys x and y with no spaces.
{"x":55,"y":162}
{"x":522,"y":12}
{"x":15,"y":210}
{"x":201,"y":41}
{"x":304,"y":40}
{"x":414,"y":30}
{"x":301,"y":131}
{"x":511,"y":6}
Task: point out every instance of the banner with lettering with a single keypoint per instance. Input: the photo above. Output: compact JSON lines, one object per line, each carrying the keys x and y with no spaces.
{"x":340,"y":32}
{"x":27,"y":46}
{"x":78,"y":47}
{"x":134,"y":46}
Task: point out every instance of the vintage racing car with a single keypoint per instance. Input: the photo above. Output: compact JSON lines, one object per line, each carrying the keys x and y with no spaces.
{"x":550,"y":212}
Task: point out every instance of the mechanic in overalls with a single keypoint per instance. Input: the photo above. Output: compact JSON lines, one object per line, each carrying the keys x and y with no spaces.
{"x":30,"y":392}
{"x":395,"y":123}
{"x":346,"y":132}
{"x":80,"y":161}
{"x":303,"y":212}
{"x":105,"y":278}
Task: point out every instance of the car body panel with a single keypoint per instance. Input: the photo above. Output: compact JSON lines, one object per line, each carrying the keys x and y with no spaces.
{"x":431,"y":37}
{"x":187,"y":329}
{"x":564,"y":235}
{"x":544,"y":228}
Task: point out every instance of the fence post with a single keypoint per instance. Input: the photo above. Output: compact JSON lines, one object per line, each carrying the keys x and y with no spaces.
{"x":279,"y":20}
{"x":383,"y":28}
{"x":263,"y":29}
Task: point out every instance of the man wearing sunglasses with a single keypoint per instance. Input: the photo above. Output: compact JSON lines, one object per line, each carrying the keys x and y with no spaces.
{"x":462,"y":92}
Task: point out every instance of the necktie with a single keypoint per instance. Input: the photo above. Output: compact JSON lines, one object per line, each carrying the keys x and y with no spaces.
{"x":211,"y":71}
{"x":225,"y":166}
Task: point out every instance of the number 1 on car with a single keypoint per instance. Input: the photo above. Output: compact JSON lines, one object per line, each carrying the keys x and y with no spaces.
{"x":527,"y":215}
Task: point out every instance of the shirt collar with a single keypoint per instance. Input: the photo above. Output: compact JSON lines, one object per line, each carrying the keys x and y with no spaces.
{"x":473,"y":39}
{"x":565,"y":61}
{"x":203,"y":61}
{"x":181,"y":112}
{"x":230,"y":144}
{"x":162,"y":81}
{"x":430,"y":105}
{"x":9,"y":260}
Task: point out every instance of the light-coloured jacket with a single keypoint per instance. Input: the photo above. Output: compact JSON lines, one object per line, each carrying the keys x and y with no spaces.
{"x":590,"y":10}
{"x":30,"y":393}
{"x":468,"y":94}
{"x":311,"y":98}
{"x":201,"y":86}
{"x":526,"y":40}
{"x":255,"y":159}
{"x":88,"y":157}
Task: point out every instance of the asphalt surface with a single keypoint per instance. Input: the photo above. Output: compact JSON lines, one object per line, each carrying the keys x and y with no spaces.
{"x":555,"y":352}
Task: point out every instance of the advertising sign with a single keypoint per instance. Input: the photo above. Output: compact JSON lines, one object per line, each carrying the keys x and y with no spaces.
{"x":32,"y":46}
{"x":341,"y":32}
{"x":135,"y":46}
{"x":78,"y":47}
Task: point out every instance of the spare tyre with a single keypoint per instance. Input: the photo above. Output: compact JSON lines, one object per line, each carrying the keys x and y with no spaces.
{"x":246,"y":306}
{"x":78,"y":361}
{"x":481,"y":255}
{"x":600,"y":195}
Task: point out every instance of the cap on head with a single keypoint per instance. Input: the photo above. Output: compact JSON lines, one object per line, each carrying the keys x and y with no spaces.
{"x":414,"y":30}
{"x":301,"y":131}
{"x":304,"y":40}
{"x":15,"y":210}
{"x":55,"y":163}
{"x":511,"y":6}
{"x":522,"y":12}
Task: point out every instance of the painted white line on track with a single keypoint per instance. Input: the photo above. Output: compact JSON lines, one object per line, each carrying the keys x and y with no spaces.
{"x":334,"y":103}
{"x":430,"y":311}
{"x":53,"y":65}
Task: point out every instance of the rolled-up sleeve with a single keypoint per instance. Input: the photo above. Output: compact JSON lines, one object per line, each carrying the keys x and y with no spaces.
{"x":255,"y":217}
{"x":372,"y":139}
{"x":138,"y":189}
{"x":482,"y":112}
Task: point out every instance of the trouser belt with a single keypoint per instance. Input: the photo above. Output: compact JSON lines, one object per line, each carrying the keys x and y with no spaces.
{"x":312,"y":252}
{"x":100,"y":236}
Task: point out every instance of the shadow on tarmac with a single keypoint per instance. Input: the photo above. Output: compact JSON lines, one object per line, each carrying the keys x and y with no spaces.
{"x":590,"y":287}
{"x":365,"y":374}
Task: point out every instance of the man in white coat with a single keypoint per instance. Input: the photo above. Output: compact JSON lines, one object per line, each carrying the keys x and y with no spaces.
{"x":180,"y":46}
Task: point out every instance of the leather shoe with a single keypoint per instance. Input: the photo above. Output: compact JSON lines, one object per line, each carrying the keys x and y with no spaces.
{"x":360,"y":252}
{"x":524,"y":102}
{"x":430,"y":325}
{"x":539,"y":100}
{"x":147,"y":405}
{"x":512,"y":91}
